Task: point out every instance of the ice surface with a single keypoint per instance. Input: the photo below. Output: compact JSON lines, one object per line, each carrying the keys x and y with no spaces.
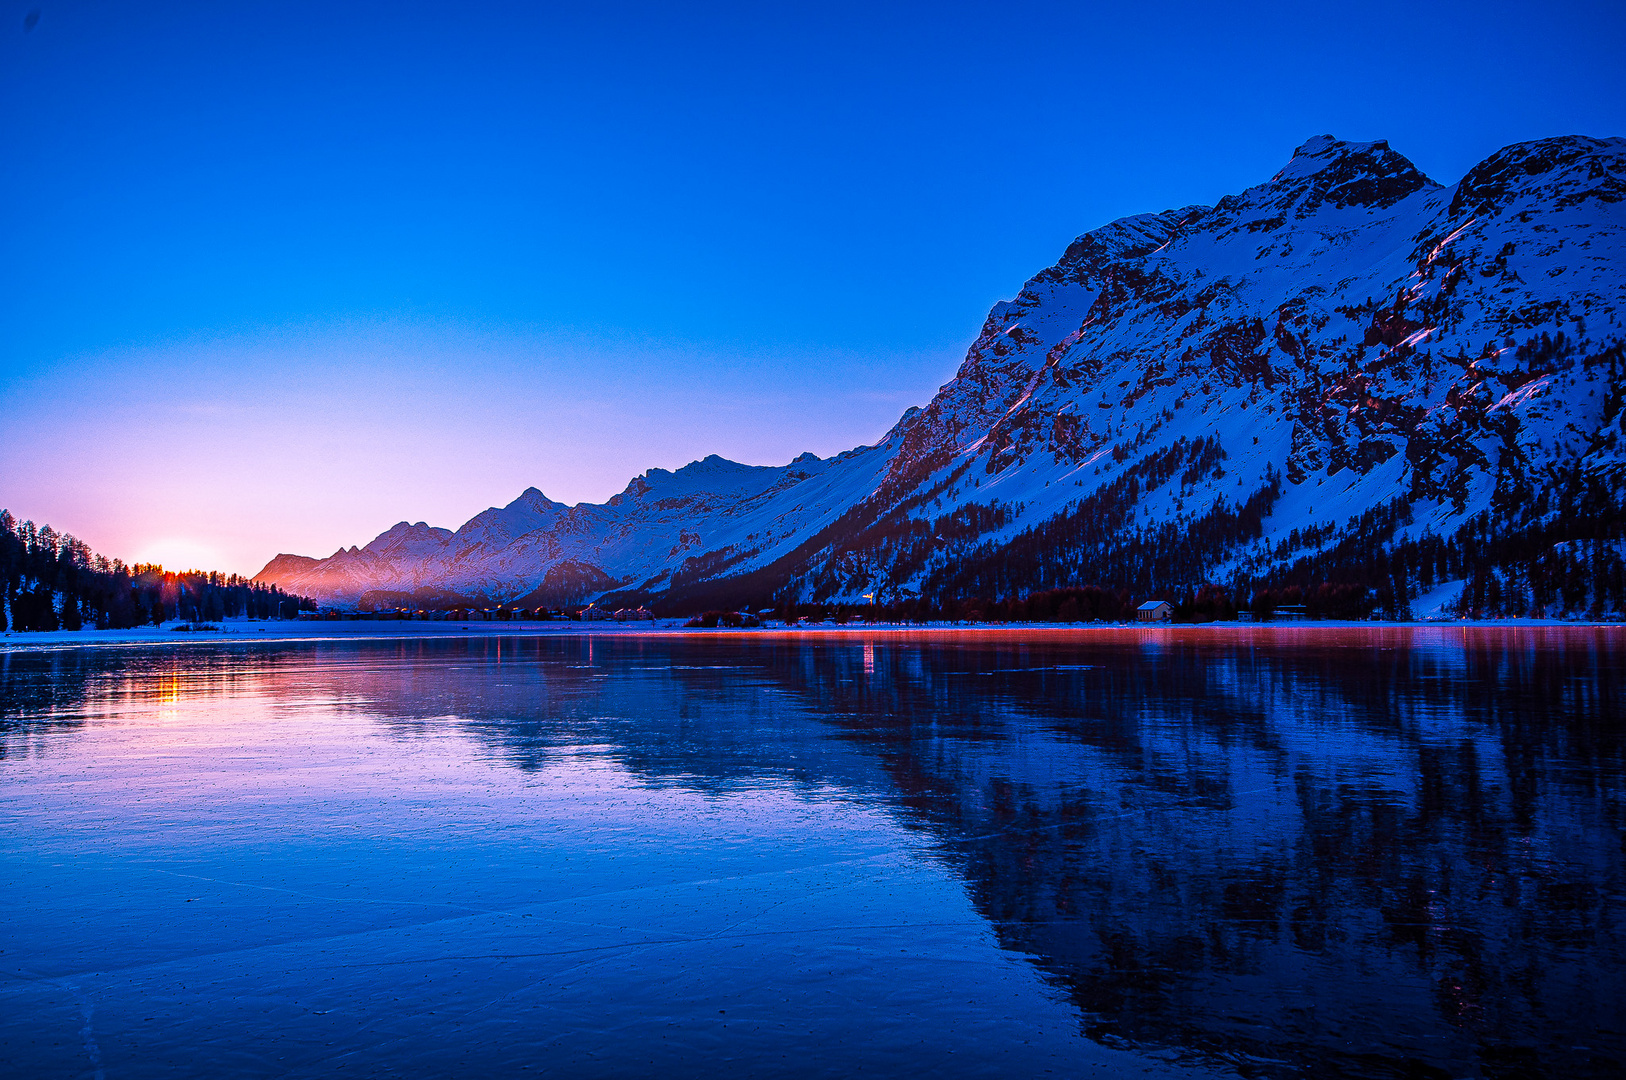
{"x":305,"y":863}
{"x":1094,"y":852}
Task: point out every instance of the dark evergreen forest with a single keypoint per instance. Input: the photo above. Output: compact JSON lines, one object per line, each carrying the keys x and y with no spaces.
{"x":53,"y":581}
{"x":1558,"y":553}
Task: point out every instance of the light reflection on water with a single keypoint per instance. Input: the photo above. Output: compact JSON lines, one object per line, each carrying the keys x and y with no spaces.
{"x":1332,"y":853}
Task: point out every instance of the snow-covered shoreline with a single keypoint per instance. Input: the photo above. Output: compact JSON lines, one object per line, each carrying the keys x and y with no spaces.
{"x":244,"y":631}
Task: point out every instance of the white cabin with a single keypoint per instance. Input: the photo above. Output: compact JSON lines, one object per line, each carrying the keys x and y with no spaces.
{"x":1154,"y":611}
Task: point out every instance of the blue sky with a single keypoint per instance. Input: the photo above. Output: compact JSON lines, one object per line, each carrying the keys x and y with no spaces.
{"x":273,"y":277}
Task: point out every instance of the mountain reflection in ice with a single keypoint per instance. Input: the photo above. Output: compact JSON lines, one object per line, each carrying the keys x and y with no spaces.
{"x":1331,"y":853}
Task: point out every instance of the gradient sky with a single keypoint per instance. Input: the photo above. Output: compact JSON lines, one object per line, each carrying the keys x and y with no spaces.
{"x":274,"y":277}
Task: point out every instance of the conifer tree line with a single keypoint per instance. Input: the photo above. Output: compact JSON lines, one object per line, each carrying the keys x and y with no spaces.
{"x":1557,"y":554}
{"x":53,"y":581}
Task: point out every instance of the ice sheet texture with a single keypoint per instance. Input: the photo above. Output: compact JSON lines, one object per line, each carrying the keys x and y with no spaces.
{"x":1114,"y":853}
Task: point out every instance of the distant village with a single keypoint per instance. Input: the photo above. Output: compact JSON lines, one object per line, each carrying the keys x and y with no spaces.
{"x":488,"y":614}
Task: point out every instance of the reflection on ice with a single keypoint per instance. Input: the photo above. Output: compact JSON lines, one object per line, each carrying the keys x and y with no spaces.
{"x":1350,"y":853}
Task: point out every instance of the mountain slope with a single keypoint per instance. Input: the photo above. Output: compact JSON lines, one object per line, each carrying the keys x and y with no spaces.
{"x":1206,"y":394}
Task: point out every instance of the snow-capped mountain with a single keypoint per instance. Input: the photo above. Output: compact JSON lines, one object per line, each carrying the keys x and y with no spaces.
{"x":1207,"y":394}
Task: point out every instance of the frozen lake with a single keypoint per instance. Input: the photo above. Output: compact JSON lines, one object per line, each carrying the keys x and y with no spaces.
{"x":1372,"y":853}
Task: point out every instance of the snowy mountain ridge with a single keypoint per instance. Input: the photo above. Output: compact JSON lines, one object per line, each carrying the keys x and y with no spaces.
{"x":1183,"y":397}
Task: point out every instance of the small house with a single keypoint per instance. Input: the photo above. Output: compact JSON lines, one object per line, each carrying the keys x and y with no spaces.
{"x":1154,"y":611}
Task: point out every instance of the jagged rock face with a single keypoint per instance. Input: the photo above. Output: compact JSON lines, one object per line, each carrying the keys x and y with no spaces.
{"x":1349,"y":325}
{"x":1350,"y":305}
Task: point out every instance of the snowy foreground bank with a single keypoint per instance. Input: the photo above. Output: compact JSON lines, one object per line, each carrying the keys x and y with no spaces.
{"x":248,"y":630}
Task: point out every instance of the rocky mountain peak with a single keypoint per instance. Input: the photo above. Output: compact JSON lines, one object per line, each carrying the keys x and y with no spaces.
{"x":404,"y":538}
{"x":1326,"y":170}
{"x":1126,"y":238}
{"x":284,"y":567}
{"x":1564,"y":170}
{"x":533,"y":499}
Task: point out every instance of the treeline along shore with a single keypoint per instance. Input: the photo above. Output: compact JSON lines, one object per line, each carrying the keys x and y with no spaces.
{"x":53,"y":581}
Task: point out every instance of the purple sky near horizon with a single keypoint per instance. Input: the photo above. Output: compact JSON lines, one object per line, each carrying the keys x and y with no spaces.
{"x":274,"y":277}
